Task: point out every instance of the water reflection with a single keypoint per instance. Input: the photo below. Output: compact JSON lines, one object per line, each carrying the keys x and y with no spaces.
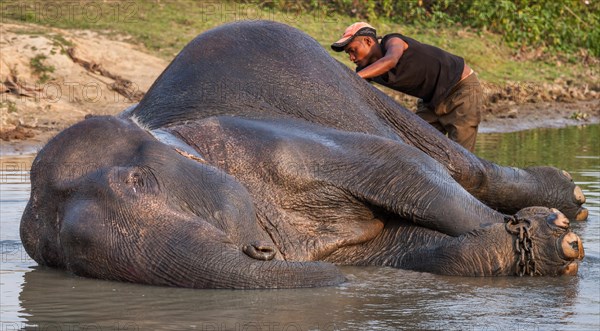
{"x":572,"y":148}
{"x":375,"y":298}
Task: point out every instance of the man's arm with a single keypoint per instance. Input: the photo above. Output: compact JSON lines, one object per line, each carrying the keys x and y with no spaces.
{"x":395,"y":48}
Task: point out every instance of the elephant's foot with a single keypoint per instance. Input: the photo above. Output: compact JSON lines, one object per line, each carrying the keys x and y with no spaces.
{"x":558,"y":190}
{"x":543,"y":243}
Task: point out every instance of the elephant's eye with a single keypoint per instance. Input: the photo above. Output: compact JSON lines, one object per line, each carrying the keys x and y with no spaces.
{"x":140,"y":180}
{"x":135,"y":179}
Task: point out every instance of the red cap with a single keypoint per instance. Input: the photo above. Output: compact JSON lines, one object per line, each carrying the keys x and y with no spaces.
{"x":354,"y":30}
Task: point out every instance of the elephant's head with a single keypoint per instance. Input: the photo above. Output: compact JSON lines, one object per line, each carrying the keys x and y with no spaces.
{"x":110,"y":201}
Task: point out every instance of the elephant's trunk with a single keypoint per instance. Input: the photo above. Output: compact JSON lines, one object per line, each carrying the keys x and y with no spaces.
{"x":193,"y":256}
{"x":243,"y":272}
{"x":228,"y":267}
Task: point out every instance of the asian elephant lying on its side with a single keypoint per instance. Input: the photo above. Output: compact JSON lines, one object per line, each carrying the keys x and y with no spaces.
{"x":255,"y":172}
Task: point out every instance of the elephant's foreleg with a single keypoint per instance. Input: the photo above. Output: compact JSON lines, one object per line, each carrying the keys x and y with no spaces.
{"x":403,"y":180}
{"x":488,"y":252}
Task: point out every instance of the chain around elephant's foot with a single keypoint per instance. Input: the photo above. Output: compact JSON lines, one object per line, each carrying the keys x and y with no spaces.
{"x":543,"y":243}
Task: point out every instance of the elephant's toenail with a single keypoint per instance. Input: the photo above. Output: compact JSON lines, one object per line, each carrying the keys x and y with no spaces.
{"x":571,"y":269}
{"x":582,"y":215}
{"x":579,"y":196}
{"x":568,"y":175}
{"x":571,"y":246}
{"x":557,"y":218}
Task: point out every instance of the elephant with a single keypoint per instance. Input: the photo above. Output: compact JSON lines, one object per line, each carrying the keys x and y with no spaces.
{"x":269,"y":170}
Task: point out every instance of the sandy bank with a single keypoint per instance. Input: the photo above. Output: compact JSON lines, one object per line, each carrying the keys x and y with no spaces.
{"x":51,"y":78}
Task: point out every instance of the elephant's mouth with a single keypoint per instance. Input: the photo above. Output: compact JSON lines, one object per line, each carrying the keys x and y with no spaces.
{"x":260,"y":251}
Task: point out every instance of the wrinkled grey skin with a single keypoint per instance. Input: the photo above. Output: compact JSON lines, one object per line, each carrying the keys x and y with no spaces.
{"x":249,"y":173}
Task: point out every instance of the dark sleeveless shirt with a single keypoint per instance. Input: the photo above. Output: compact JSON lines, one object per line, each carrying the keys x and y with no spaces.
{"x":423,"y":71}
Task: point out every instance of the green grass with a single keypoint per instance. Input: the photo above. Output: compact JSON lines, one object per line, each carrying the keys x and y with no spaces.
{"x":10,"y":106}
{"x":40,"y":68}
{"x":164,"y":27}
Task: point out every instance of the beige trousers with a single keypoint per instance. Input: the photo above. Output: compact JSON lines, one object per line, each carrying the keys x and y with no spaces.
{"x":459,"y":114}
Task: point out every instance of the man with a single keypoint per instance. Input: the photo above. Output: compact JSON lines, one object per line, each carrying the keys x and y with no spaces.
{"x":449,"y":91}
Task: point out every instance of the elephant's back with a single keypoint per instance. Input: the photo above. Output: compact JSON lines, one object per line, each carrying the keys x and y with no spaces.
{"x":263,"y":69}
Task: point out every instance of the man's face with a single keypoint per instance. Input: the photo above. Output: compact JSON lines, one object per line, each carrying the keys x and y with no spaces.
{"x":359,"y":50}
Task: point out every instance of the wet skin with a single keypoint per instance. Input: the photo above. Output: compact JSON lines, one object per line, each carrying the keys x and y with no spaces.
{"x":257,"y":196}
{"x":288,"y":75}
{"x":212,"y":183}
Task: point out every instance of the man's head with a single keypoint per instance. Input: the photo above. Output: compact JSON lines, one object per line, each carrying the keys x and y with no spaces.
{"x":359,"y":41}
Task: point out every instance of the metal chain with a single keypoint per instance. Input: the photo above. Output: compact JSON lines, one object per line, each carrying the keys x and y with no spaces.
{"x":520,"y":227}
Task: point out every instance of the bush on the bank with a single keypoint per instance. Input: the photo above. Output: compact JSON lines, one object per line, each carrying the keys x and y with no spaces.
{"x":563,"y":25}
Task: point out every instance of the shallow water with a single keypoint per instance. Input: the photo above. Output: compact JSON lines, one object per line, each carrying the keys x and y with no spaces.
{"x":374,"y":298}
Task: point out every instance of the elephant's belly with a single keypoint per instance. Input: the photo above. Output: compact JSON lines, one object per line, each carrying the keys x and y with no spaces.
{"x":309,"y":229}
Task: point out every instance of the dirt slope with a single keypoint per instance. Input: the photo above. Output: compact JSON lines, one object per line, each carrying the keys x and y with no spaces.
{"x":51,"y":78}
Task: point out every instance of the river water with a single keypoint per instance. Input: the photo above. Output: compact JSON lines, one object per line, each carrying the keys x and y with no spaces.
{"x":38,"y":298}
